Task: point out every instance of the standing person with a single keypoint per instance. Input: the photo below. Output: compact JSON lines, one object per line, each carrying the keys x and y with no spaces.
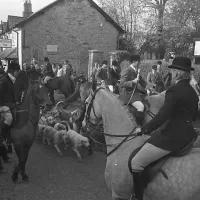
{"x":131,"y":81}
{"x":67,"y":68}
{"x":48,"y":72}
{"x":94,"y":71}
{"x":102,"y":74}
{"x":33,"y":61}
{"x":159,"y":66}
{"x":60,"y":71}
{"x":37,"y":67}
{"x":154,"y":80}
{"x":54,"y":68}
{"x":179,"y":111}
{"x":113,"y":76}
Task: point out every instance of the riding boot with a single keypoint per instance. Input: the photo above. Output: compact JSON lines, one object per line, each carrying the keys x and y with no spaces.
{"x":9,"y":147}
{"x":3,"y":153}
{"x":139,"y":117}
{"x":1,"y":167}
{"x":138,"y":181}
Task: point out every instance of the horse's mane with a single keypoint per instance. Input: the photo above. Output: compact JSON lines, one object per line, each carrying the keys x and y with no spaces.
{"x":125,"y":109}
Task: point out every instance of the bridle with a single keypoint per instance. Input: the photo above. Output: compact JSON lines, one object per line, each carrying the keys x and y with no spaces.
{"x":91,"y":126}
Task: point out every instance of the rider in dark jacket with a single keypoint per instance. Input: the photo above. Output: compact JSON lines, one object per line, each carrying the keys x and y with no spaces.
{"x":7,"y":102}
{"x":178,"y":113}
{"x":48,"y":71}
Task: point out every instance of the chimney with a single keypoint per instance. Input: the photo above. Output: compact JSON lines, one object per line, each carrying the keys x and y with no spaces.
{"x":27,"y":8}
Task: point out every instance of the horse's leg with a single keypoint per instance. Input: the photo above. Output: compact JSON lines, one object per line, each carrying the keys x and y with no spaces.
{"x":90,"y":149}
{"x":26,"y":149}
{"x":51,"y":97}
{"x":20,"y":155}
{"x":1,"y":166}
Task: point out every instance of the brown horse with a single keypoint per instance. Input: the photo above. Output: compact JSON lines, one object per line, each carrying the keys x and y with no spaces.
{"x":23,"y":130}
{"x":64,"y":84}
{"x":182,"y":182}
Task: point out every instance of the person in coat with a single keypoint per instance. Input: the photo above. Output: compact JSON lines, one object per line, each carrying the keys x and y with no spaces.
{"x":113,"y":76}
{"x":132,"y":86}
{"x":48,"y":71}
{"x":178,"y":113}
{"x":154,"y":80}
{"x":7,"y":103}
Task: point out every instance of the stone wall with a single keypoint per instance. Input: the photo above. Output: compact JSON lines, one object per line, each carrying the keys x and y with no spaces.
{"x":75,"y":27}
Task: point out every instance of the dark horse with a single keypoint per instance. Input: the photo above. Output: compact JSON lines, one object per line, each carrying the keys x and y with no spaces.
{"x":64,"y":84}
{"x":24,"y":127}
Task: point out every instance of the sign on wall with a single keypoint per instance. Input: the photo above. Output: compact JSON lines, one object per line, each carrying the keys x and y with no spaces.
{"x":52,"y":48}
{"x":4,"y":43}
{"x":197,"y":48}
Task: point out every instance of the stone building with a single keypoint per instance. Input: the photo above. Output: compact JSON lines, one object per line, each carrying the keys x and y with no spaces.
{"x":8,"y":32}
{"x":67,"y":30}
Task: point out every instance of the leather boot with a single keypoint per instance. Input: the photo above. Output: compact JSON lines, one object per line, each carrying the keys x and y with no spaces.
{"x":139,"y":117}
{"x":3,"y":153}
{"x":9,"y":147}
{"x":138,"y":185}
{"x":5,"y":130}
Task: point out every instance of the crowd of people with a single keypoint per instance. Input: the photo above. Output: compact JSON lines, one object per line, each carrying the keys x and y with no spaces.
{"x":50,"y":69}
{"x":110,"y":76}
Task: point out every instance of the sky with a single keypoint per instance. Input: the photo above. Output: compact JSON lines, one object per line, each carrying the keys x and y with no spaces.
{"x":15,"y":7}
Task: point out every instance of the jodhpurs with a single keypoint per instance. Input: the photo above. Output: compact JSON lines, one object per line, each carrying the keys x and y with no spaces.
{"x":111,"y":88}
{"x":138,"y":105}
{"x":46,"y":79}
{"x":6,"y":114}
{"x":147,"y":154}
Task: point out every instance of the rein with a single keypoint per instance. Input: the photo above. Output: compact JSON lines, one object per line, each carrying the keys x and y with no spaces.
{"x":89,"y":124}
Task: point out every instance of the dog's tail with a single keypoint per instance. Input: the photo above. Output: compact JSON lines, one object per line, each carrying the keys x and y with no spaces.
{"x":66,"y":125}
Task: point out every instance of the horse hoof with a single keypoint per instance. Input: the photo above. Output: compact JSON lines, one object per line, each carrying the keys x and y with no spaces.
{"x":25,"y":178}
{"x":14,"y":177}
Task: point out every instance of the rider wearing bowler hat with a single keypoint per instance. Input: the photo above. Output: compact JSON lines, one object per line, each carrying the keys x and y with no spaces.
{"x":178,"y":112}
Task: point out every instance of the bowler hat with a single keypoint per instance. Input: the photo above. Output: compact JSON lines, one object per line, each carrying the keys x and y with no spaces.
{"x":13,"y":67}
{"x":154,"y":67}
{"x":181,"y":63}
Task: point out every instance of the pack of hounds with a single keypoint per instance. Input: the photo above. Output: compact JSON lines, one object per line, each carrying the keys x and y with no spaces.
{"x":56,"y":130}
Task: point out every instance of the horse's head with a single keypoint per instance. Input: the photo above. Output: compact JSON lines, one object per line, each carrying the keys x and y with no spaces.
{"x":41,"y":94}
{"x":93,"y":116}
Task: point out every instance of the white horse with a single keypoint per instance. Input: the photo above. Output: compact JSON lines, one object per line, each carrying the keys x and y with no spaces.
{"x":183,"y":173}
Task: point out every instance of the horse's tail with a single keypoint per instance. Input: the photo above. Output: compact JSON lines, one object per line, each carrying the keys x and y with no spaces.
{"x":72,"y":97}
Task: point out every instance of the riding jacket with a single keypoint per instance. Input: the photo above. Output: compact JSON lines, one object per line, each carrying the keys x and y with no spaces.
{"x":175,"y":118}
{"x":127,"y":86}
{"x":48,"y":71}
{"x":7,"y":93}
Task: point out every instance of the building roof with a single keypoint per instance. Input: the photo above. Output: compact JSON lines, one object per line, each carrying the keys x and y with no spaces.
{"x":92,"y":3}
{"x":9,"y":53}
{"x":13,"y":20}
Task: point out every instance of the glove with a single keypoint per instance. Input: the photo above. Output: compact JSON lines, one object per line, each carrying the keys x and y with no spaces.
{"x":138,"y":132}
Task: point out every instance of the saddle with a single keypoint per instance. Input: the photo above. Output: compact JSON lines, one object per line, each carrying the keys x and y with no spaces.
{"x":156,"y":167}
